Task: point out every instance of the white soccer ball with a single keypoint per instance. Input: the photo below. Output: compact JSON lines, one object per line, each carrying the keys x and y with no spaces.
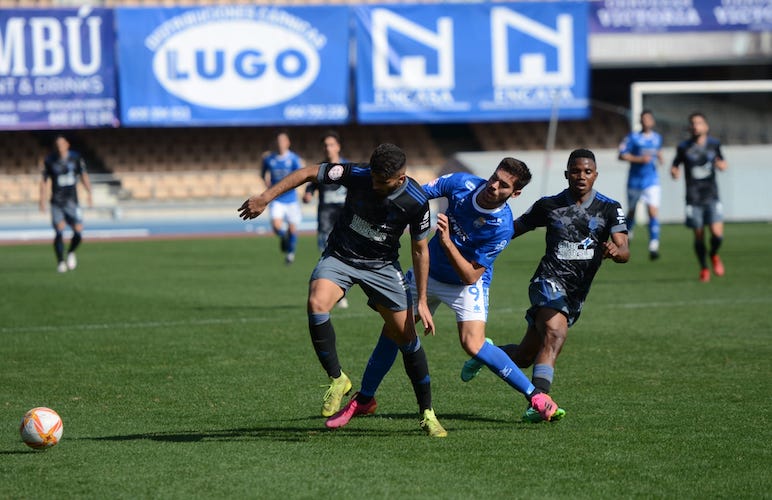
{"x":41,"y":428}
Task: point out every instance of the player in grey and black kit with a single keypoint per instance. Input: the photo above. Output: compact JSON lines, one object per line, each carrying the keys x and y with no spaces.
{"x":701,"y":156}
{"x":363,"y":249}
{"x":579,"y":223}
{"x":331,"y":196}
{"x":64,"y":168}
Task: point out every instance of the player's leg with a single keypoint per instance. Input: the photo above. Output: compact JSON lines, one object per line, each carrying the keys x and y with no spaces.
{"x":472,"y":337}
{"x":74,"y":217}
{"x":696,"y":221}
{"x":652,"y":197}
{"x":633,"y":195}
{"x":716,"y":225}
{"x":553,"y":327}
{"x":293,"y":217}
{"x":277,"y":211}
{"x":59,"y":223}
{"x":328,"y":282}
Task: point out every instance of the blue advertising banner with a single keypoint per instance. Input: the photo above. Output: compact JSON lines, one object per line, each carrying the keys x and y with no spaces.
{"x":233,"y":65}
{"x":626,"y":16}
{"x":57,"y":69}
{"x":463,"y":62}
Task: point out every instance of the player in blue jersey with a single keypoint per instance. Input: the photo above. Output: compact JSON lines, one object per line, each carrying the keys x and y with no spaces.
{"x":701,"y":157}
{"x":285,"y":208}
{"x":331,"y":197}
{"x":363,"y":249}
{"x":64,"y":168}
{"x":643,"y":149}
{"x":476,"y":227}
{"x":579,"y":223}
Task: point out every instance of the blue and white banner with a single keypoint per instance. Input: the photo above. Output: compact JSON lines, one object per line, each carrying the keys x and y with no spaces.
{"x":626,"y":16}
{"x":57,"y":69}
{"x":464,"y":62}
{"x":233,"y":65}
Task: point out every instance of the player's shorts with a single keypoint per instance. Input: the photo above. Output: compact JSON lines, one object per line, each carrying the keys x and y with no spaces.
{"x":288,"y":212}
{"x":385,"y":286}
{"x":697,"y":216}
{"x":544,"y":292}
{"x":469,"y":302}
{"x":651,"y":196}
{"x":69,"y":211}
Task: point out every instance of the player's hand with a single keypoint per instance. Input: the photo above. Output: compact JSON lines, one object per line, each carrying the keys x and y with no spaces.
{"x":675,"y":173}
{"x":42,"y":206}
{"x":426,"y":317}
{"x":443,"y":229}
{"x":90,"y":200}
{"x":251,"y":208}
{"x":307,"y":197}
{"x":610,"y":250}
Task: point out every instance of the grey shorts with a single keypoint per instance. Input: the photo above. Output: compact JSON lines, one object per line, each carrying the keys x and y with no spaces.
{"x":68,"y":211}
{"x":698,"y":216}
{"x":385,"y":286}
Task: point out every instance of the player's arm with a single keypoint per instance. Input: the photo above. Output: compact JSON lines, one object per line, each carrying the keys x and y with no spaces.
{"x":675,"y":173}
{"x":720,"y":162}
{"x":420,"y":256}
{"x":311,"y":188}
{"x":469,"y":272}
{"x":43,"y":191}
{"x":629,"y":157}
{"x":84,"y":178}
{"x":255,"y":205}
{"x":617,"y":249}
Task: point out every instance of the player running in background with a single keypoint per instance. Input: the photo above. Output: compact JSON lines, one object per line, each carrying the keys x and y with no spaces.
{"x":701,"y":156}
{"x":643,"y":150}
{"x":285,"y":208}
{"x":476,"y":227}
{"x":64,"y":168}
{"x":579,"y":223}
{"x":331,"y":197}
{"x":363,"y":249}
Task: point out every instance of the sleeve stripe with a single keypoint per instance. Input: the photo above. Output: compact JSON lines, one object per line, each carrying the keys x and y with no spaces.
{"x":416,"y":193}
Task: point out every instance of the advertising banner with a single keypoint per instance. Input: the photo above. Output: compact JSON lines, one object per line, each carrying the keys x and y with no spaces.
{"x":465,"y":62}
{"x":625,"y":16}
{"x":57,"y":69}
{"x":233,"y":65}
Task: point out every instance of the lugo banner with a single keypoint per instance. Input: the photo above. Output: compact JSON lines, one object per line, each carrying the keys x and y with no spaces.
{"x":56,"y":69}
{"x":233,"y":65}
{"x":462,"y":62}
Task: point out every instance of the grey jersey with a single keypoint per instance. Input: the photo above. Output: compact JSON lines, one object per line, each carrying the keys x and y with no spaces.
{"x":575,"y":237}
{"x":368,"y":230}
{"x":64,"y":174}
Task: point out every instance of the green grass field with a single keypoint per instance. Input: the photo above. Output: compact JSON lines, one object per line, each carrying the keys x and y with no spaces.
{"x":184,"y":369}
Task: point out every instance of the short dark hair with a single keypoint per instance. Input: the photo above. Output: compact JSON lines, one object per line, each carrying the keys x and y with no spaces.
{"x":580,"y":153}
{"x":519,"y":169}
{"x":647,"y":112}
{"x":387,"y":160}
{"x":700,"y":114}
{"x":331,"y":133}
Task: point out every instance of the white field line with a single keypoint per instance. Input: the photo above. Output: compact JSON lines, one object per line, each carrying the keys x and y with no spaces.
{"x":147,"y":325}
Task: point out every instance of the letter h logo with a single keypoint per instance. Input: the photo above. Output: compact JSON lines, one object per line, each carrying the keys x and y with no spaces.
{"x":411,"y":69}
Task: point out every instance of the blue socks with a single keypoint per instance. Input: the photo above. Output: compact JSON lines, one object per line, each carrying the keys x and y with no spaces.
{"x":381,"y":361}
{"x":500,"y":364}
{"x":653,"y":229}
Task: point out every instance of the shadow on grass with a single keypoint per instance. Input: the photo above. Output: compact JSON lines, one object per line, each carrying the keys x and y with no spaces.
{"x":292,"y":432}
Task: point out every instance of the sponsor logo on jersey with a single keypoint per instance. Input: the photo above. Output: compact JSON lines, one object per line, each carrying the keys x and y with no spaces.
{"x":361,"y":226}
{"x":335,"y":172}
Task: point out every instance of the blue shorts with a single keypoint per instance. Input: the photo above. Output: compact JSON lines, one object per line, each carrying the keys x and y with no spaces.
{"x":544,"y":292}
{"x":698,"y":216}
{"x":68,"y":211}
{"x":385,"y":286}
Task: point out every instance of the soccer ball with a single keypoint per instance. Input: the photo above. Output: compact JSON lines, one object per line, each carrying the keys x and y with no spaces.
{"x":41,"y":428}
